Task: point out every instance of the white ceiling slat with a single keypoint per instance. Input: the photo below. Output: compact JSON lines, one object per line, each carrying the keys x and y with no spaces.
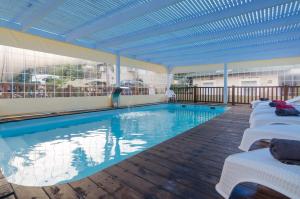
{"x":184,"y":40}
{"x":237,"y":40}
{"x":264,"y":52}
{"x":156,"y":31}
{"x":36,"y":15}
{"x":256,"y":55}
{"x":118,"y":17}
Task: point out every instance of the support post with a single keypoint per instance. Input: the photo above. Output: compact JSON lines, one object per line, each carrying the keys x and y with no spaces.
{"x":118,"y":69}
{"x":195,"y":94}
{"x":233,"y":95}
{"x":115,"y":96}
{"x":285,"y":92}
{"x":225,"y":93}
{"x":169,"y":78}
{"x":169,"y":84}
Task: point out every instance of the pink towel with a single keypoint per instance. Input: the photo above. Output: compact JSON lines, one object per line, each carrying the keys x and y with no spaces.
{"x":284,"y":106}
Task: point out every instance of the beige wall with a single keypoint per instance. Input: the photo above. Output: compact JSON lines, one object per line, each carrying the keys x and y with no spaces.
{"x":128,"y":100}
{"x":39,"y":105}
{"x":47,"y":105}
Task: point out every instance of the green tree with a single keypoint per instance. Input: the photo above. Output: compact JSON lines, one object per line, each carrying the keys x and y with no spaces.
{"x":24,"y":76}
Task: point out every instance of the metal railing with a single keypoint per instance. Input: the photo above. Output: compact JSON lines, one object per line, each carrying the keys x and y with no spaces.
{"x":236,"y":94}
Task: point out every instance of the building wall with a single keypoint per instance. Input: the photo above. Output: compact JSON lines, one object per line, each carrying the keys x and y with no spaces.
{"x":21,"y":106}
{"x":237,"y":65}
{"x":266,"y":80}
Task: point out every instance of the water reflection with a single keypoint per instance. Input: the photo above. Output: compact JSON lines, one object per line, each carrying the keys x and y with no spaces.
{"x":72,"y":151}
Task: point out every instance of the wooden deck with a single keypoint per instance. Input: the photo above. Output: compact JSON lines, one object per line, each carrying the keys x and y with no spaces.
{"x":187,"y":166}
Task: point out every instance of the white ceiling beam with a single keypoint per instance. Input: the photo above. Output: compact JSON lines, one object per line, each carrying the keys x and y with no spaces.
{"x":223,"y":59}
{"x":236,"y":53}
{"x":263,"y":39}
{"x":152,"y":47}
{"x":18,"y":16}
{"x":249,"y":51}
{"x":33,"y":16}
{"x":192,"y":22}
{"x":118,"y":17}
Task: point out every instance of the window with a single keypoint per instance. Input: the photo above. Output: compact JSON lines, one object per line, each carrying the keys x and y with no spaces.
{"x":142,"y":82}
{"x":248,"y":83}
{"x":207,"y":84}
{"x":31,"y":74}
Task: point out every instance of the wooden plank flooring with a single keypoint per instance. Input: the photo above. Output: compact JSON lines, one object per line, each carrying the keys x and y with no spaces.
{"x":187,"y":166}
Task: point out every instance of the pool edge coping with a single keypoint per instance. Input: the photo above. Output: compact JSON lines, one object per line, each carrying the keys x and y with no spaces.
{"x":23,"y":117}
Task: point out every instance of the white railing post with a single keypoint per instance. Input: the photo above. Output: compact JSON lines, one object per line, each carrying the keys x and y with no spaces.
{"x":225,"y":93}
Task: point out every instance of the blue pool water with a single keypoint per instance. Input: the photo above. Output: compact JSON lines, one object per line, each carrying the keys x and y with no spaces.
{"x":61,"y":149}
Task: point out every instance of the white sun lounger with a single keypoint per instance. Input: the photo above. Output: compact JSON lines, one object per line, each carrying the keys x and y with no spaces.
{"x":259,"y":167}
{"x":268,"y":132}
{"x":272,"y":118}
{"x":262,"y":107}
{"x":269,"y":110}
{"x":259,"y":111}
{"x":255,"y":103}
{"x":259,"y":104}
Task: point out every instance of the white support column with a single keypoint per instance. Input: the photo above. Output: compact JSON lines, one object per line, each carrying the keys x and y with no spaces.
{"x":170,"y":93}
{"x":118,"y":69}
{"x":169,"y":78}
{"x":225,"y":94}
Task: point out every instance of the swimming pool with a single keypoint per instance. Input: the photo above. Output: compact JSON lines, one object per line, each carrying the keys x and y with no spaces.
{"x":54,"y":150}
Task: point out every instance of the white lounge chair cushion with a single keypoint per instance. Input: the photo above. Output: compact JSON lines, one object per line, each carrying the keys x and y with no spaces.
{"x":256,"y":103}
{"x":265,"y":104}
{"x":269,"y":110}
{"x":268,"y":132}
{"x":262,"y":105}
{"x":261,"y":111}
{"x":272,"y":118}
{"x":294,"y":100}
{"x":259,"y":167}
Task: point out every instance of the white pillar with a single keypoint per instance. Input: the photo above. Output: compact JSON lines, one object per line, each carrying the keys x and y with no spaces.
{"x":118,"y":69}
{"x":225,"y":94}
{"x":169,"y":78}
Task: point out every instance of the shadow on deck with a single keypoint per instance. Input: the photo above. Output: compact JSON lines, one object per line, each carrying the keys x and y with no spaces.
{"x":186,"y":166}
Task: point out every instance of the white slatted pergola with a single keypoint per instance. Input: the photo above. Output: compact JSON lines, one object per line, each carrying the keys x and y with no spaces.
{"x":172,"y":33}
